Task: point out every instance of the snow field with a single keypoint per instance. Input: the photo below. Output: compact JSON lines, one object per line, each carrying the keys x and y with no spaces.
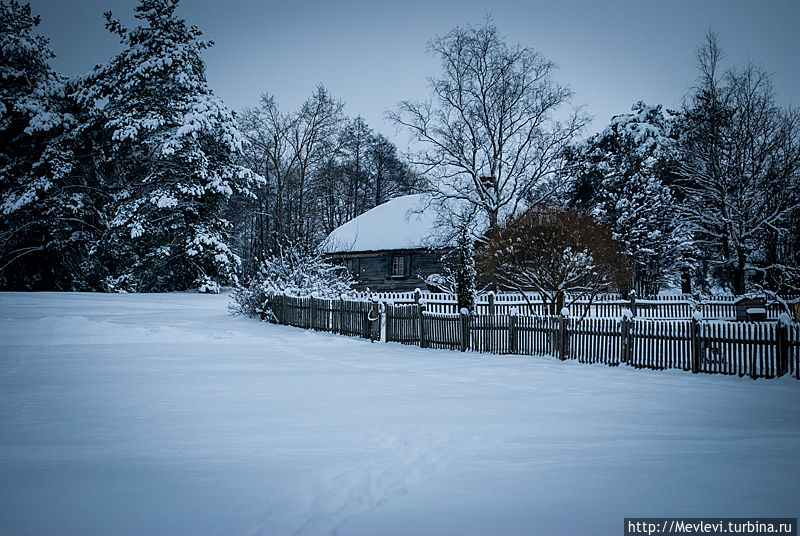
{"x":161,"y":414}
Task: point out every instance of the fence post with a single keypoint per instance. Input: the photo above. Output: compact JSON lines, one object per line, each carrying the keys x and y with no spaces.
{"x":796,"y":363}
{"x":563,"y":335}
{"x":266,"y":303}
{"x":626,"y":339}
{"x":782,"y":342}
{"x":464,"y":313}
{"x":632,"y":296}
{"x":312,"y":309}
{"x":491,"y":303}
{"x":374,"y":318}
{"x":388,"y":308}
{"x":284,"y":310}
{"x":512,"y":332}
{"x":420,"y":310}
{"x":340,"y":324}
{"x":697,"y":351}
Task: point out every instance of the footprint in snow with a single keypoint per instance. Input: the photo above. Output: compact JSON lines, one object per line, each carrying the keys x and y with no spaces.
{"x":398,"y":463}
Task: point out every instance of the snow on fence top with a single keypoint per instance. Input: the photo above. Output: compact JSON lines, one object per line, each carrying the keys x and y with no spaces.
{"x":406,"y":222}
{"x":603,"y":306}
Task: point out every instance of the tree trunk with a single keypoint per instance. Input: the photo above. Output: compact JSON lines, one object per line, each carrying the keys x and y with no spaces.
{"x":493,"y":218}
{"x":739,"y":275}
{"x":686,"y":282}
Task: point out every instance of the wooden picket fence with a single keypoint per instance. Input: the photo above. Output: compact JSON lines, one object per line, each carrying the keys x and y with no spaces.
{"x":755,"y":349}
{"x":602,"y":306}
{"x":346,"y":317}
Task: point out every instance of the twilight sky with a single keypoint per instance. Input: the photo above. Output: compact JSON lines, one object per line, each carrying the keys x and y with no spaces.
{"x":371,"y":54}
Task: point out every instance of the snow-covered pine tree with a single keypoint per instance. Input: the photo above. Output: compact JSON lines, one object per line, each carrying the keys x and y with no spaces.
{"x":622,"y":176}
{"x":45,"y":209}
{"x":464,"y":270}
{"x":458,"y":273}
{"x":646,"y":221}
{"x":169,"y":160}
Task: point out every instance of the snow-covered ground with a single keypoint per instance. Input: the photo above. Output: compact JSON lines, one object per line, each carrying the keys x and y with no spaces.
{"x":161,"y":414}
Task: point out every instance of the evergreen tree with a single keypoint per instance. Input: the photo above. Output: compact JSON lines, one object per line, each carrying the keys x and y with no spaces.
{"x":458,"y":271}
{"x":464,"y":271}
{"x":623,"y":177}
{"x":169,"y":156}
{"x":46,"y":208}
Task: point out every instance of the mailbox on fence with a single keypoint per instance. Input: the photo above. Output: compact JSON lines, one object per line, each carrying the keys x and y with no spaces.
{"x":750,"y":309}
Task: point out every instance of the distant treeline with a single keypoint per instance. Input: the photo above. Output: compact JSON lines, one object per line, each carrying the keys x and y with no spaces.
{"x":136,"y":177}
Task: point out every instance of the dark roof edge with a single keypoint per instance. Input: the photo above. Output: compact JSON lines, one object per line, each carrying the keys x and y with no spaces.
{"x":373,"y":251}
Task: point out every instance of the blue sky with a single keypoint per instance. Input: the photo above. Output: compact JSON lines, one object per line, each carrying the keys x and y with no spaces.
{"x":371,"y":54}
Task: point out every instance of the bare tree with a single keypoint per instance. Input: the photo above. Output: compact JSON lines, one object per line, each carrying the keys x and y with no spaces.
{"x":321,"y":170}
{"x":313,"y":137}
{"x":271,"y":154}
{"x":290,"y":150}
{"x":391,"y":175}
{"x":355,"y":140}
{"x":741,"y":170}
{"x":490,"y":135}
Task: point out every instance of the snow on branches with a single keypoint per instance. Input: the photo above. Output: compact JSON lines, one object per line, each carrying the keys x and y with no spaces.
{"x":293,"y":271}
{"x":43,"y":208}
{"x":740,"y":175}
{"x":622,"y":176}
{"x":172,"y":146}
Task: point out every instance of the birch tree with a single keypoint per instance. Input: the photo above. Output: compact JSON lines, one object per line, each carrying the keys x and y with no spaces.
{"x":492,"y":133}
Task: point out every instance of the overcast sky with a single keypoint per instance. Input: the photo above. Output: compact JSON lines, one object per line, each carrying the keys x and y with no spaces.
{"x":371,"y":54}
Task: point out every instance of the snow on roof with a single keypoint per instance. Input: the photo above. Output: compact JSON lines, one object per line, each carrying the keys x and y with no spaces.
{"x":407,"y":222}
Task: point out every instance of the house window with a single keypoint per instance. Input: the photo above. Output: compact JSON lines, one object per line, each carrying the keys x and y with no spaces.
{"x":353,"y":266}
{"x":398,"y":266}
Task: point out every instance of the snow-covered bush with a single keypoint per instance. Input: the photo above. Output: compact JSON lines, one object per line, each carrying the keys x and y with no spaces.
{"x":208,"y":286}
{"x":560,"y":253}
{"x":294,"y":271}
{"x":444,"y":282}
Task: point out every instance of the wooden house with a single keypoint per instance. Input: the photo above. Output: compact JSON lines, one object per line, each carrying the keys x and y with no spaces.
{"x":392,"y":247}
